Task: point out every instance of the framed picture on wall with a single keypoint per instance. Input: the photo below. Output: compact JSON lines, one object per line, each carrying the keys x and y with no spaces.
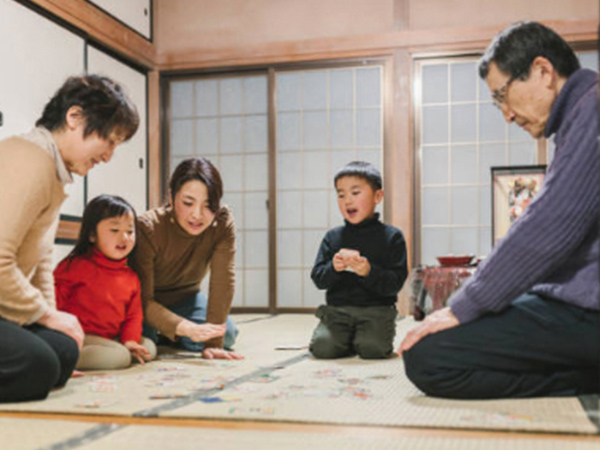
{"x":513,"y":189}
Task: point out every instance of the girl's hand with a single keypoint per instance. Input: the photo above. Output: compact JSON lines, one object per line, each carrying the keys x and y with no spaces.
{"x":199,"y":333}
{"x":219,"y":353}
{"x":138,"y":351}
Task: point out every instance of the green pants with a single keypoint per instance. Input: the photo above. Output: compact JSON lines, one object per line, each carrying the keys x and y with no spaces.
{"x":349,"y":330}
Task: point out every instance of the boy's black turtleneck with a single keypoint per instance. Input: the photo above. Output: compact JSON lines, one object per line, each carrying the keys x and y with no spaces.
{"x":384,"y":247}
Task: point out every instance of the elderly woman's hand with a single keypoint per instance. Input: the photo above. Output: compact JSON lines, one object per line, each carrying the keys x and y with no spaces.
{"x":199,"y":332}
{"x":65,"y":323}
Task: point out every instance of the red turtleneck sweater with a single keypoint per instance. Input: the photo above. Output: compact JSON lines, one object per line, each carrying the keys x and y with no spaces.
{"x":103,"y":293}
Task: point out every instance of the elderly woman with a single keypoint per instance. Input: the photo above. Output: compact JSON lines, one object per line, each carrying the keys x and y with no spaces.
{"x":177,"y":244}
{"x":79,"y":128}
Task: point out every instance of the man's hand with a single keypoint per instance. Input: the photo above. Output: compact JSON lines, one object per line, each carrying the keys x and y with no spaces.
{"x":65,"y":323}
{"x":138,"y":351}
{"x":440,"y":320}
{"x":199,"y":332}
{"x":219,"y":353}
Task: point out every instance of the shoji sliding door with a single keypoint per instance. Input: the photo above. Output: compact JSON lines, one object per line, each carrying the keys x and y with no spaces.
{"x":460,"y":136}
{"x":37,"y":57}
{"x":225,"y":120}
{"x":321,"y":120}
{"x":325,"y":119}
{"x":125,"y":175}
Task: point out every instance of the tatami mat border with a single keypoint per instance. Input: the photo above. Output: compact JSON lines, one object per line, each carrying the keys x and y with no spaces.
{"x":591,"y":405}
{"x":93,"y":434}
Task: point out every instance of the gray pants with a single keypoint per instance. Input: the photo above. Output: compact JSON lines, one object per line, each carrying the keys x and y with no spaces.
{"x":349,"y":330}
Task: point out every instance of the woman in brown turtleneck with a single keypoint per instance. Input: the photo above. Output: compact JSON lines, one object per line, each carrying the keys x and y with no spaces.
{"x":176,"y":245}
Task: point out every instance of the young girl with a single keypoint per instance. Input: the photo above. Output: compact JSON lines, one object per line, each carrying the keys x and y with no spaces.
{"x":95,"y":283}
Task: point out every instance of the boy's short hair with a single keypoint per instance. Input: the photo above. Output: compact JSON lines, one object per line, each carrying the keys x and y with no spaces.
{"x":360,"y":169}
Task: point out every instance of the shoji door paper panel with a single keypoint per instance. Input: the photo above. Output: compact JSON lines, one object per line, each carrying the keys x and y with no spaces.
{"x":225,"y":120}
{"x":325,"y":119}
{"x":125,"y":175}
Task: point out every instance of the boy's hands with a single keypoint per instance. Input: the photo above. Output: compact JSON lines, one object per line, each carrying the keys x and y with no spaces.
{"x":359,"y":265}
{"x":339,"y":262}
{"x":138,"y":351}
{"x":347,"y":259}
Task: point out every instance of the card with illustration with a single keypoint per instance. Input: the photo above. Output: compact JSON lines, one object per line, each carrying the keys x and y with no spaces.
{"x":348,"y":253}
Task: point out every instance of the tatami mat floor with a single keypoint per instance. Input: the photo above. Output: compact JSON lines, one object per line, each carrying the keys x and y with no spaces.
{"x":279,"y":398}
{"x":60,"y":433}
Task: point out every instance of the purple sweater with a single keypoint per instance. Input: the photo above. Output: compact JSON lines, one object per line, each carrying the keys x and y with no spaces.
{"x":553,"y":250}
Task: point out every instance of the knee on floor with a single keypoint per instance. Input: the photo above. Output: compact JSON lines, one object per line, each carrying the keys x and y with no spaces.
{"x":327,"y":349}
{"x":102,"y":358}
{"x":41,"y":371}
{"x":230,"y":336}
{"x":421,"y":368}
{"x":121,"y":358}
{"x":373,"y":350}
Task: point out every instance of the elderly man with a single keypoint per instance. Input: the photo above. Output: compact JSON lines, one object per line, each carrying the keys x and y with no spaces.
{"x":527,"y":323}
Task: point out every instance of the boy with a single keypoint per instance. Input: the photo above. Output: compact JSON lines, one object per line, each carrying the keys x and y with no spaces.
{"x":362,"y":265}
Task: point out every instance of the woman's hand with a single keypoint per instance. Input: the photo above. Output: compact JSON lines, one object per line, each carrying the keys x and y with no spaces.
{"x":138,"y":351}
{"x":65,"y":323}
{"x":219,"y":353}
{"x":199,"y":333}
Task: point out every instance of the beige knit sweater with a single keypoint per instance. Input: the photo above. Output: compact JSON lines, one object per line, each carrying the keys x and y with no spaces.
{"x":32,"y":178}
{"x":171,"y":264}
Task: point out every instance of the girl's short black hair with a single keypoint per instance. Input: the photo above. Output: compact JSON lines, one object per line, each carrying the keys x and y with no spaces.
{"x":360,"y":169}
{"x":200,"y":169}
{"x":515,"y":48}
{"x":99,"y":208}
{"x":105,"y":106}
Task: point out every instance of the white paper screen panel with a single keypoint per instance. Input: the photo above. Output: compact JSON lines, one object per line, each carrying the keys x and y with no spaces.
{"x":37,"y":57}
{"x":460,"y":136}
{"x":326,"y":118}
{"x":133,"y":13}
{"x":125,"y":175}
{"x":225,"y":120}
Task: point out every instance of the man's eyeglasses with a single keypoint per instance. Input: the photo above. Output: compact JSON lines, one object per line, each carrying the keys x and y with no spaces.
{"x":499,"y":95}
